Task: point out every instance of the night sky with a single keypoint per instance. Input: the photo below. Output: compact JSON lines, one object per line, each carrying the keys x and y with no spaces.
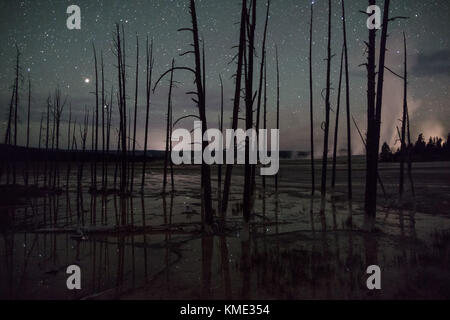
{"x":52,"y":55}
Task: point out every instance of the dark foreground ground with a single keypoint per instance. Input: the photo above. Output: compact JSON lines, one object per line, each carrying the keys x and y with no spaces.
{"x":293,"y":252}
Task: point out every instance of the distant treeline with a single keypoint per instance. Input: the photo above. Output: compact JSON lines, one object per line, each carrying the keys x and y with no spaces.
{"x":19,"y":153}
{"x":435,"y":150}
{"x":12,"y":153}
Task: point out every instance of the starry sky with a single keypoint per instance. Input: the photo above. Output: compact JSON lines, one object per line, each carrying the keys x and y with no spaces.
{"x":54,"y":56}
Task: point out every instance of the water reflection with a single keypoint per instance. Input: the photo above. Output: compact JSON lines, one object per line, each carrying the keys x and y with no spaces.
{"x":153,"y":247}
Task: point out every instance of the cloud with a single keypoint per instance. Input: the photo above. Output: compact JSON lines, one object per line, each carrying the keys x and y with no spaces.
{"x":435,"y":63}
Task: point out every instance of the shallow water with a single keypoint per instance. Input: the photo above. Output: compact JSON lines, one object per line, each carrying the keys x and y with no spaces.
{"x":152,"y":247}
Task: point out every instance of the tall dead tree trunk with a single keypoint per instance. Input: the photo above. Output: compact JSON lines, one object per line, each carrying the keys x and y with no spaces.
{"x":336,"y":126}
{"x":236,"y":103}
{"x":206,"y":173}
{"x":409,"y":155}
{"x":374,"y":134}
{"x":201,"y":103}
{"x":16,"y":107}
{"x":347,"y":102}
{"x":219,"y":167}
{"x":69,"y":148}
{"x":265,"y":112}
{"x":135,"y":115}
{"x":122,"y":107}
{"x":10,"y":116}
{"x":148,"y":82}
{"x":371,"y":84}
{"x":47,"y":128}
{"x":28,"y":131}
{"x":404,"y":124}
{"x":108,"y":136}
{"x":104,"y":108}
{"x":248,"y":168}
{"x":169,"y":107}
{"x":323,"y":189}
{"x":260,"y":95}
{"x":311,"y":103}
{"x":94,"y":174}
{"x":278,"y":107}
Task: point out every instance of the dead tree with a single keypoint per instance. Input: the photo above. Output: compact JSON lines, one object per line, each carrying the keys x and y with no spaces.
{"x":10,"y":116}
{"x":347,"y":102}
{"x":36,"y":181}
{"x":323,"y":189}
{"x":236,"y":103}
{"x":83,"y":137}
{"x":108,"y":135}
{"x":8,"y":131}
{"x":311,"y":104}
{"x":103,"y":106}
{"x":248,"y":168}
{"x":336,"y":126}
{"x":148,"y":83}
{"x":278,"y":106}
{"x":28,"y":131}
{"x":168,"y":138}
{"x":58,"y":110}
{"x":135,"y":115}
{"x":261,"y":75}
{"x":47,"y":129}
{"x":201,"y":103}
{"x":409,"y":154}
{"x":265,"y":112}
{"x":373,"y":136}
{"x":69,"y":148}
{"x":94,"y":174}
{"x":120,"y":54}
{"x":219,"y":167}
{"x":16,"y":107}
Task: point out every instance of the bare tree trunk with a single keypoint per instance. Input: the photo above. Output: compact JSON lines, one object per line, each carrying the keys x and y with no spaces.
{"x":336,"y":126}
{"x":8,"y":132}
{"x":206,"y":173}
{"x":108,"y":137}
{"x":10,"y":117}
{"x":103,"y":106}
{"x":219,"y":167}
{"x":135,"y":115}
{"x":39,"y":149}
{"x":236,"y":103}
{"x":122,"y":107}
{"x":323,"y":189}
{"x":311,"y":105}
{"x":249,"y":112}
{"x":265,"y":114}
{"x":409,"y":155}
{"x":169,"y":106}
{"x":374,"y":135}
{"x":347,"y":101}
{"x":16,"y":107}
{"x":68,"y":149}
{"x":148,"y":82}
{"x":261,"y":75}
{"x":28,"y":131}
{"x":94,"y":183}
{"x":278,"y":106}
{"x":47,"y":127}
{"x":404,"y":124}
